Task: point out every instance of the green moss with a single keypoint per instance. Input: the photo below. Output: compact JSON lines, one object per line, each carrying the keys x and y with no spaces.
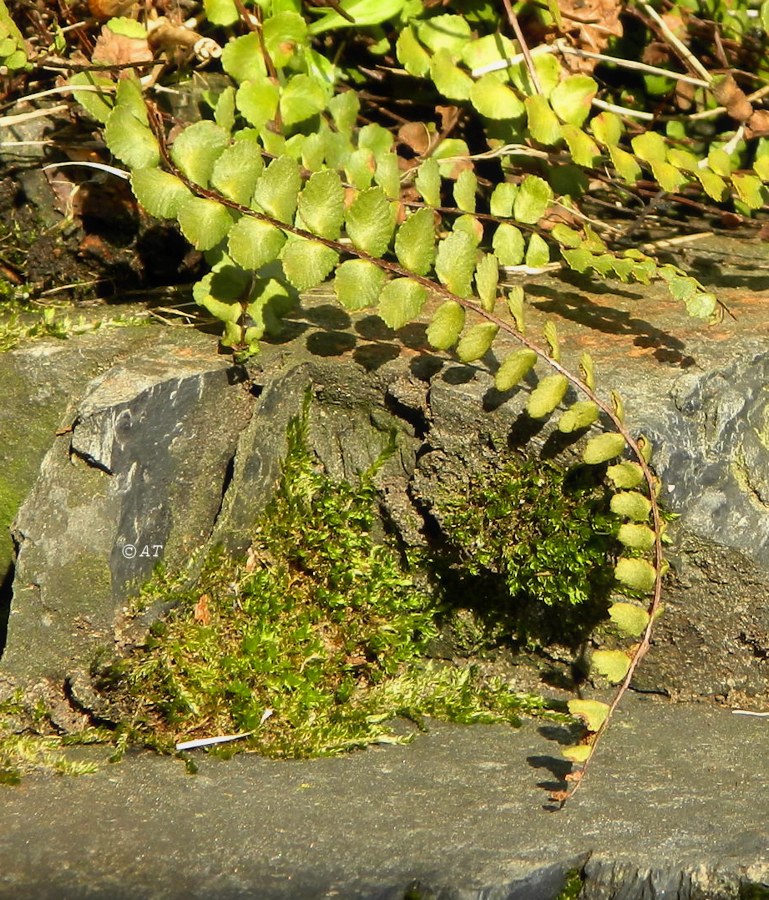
{"x":314,"y":642}
{"x":529,"y":546}
{"x":572,"y":886}
{"x":25,"y":749}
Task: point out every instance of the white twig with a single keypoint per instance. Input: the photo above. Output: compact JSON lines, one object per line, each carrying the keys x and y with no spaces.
{"x":748,"y":712}
{"x":210,"y":742}
{"x":624,"y":111}
{"x":91,"y":165}
{"x":678,"y":45}
{"x":8,"y":121}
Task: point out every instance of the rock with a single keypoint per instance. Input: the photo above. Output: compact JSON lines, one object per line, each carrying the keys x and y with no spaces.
{"x":676,"y":806}
{"x":169,"y":450}
{"x":135,"y":479}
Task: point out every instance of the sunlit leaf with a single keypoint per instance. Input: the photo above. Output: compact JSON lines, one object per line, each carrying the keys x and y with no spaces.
{"x":455,"y":263}
{"x":197,"y":148}
{"x":446,"y":326}
{"x":204,"y":222}
{"x":415,"y":242}
{"x":547,"y":395}
{"x":494,"y":99}
{"x":321,"y":204}
{"x":358,"y":283}
{"x":428,"y":182}
{"x":475,"y":343}
{"x":369,"y":222}
{"x":160,"y":193}
{"x":629,"y":618}
{"x":257,"y":99}
{"x":532,"y":199}
{"x":253,"y":244}
{"x":446,"y":32}
{"x":514,"y":367}
{"x":592,"y":712}
{"x":131,"y":140}
{"x":236,"y":171}
{"x":448,"y":78}
{"x":508,"y":245}
{"x":625,"y":475}
{"x":401,"y":301}
{"x":571,"y":98}
{"x":502,"y":199}
{"x":487,"y":280}
{"x":277,"y":190}
{"x":543,"y":122}
{"x":636,"y":537}
{"x":602,"y":448}
{"x":612,"y":664}
{"x":307,"y":263}
{"x":301,"y":99}
{"x":578,"y":416}
{"x":411,"y":54}
{"x":607,"y":128}
{"x":637,"y":574}
{"x":631,"y":505}
{"x":578,"y":753}
{"x":537,"y":252}
{"x":465,"y":189}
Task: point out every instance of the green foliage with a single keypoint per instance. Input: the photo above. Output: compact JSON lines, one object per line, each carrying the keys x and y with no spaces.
{"x":543,"y":533}
{"x":13,"y":50}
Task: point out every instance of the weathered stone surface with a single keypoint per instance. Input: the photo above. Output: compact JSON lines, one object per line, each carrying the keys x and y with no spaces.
{"x":137,"y":479}
{"x":697,"y":392}
{"x":676,"y":807}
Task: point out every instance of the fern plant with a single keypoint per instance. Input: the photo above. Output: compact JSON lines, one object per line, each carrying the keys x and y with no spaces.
{"x":282,"y":190}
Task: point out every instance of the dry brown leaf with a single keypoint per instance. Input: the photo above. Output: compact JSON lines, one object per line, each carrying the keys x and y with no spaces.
{"x":416,"y":136}
{"x":758,"y":124}
{"x":108,"y":9}
{"x":202,"y":614}
{"x":590,"y":24}
{"x":729,"y":94}
{"x":118,"y":49}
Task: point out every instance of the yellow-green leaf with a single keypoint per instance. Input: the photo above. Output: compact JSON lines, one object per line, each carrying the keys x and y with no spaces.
{"x":631,"y":505}
{"x":204,"y":222}
{"x":629,"y":618}
{"x":415,"y":242}
{"x":612,"y":664}
{"x":494,"y":99}
{"x":544,"y":126}
{"x":571,"y":98}
{"x":532,"y":199}
{"x":547,"y":395}
{"x":603,"y":447}
{"x":307,"y":264}
{"x":477,"y":341}
{"x":592,"y":712}
{"x":455,"y":262}
{"x":446,"y":326}
{"x":515,"y":367}
{"x":253,"y":244}
{"x":358,"y":283}
{"x":321,"y":204}
{"x":637,"y":537}
{"x":625,"y":475}
{"x":578,"y":753}
{"x":580,"y":415}
{"x":637,"y":574}
{"x":401,"y":301}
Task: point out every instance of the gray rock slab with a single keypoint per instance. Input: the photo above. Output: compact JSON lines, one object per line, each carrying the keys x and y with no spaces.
{"x":676,"y":807}
{"x":136,"y":478}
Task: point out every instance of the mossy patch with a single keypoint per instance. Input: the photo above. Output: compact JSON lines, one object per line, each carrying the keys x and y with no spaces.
{"x":315,"y":642}
{"x":530,"y":546}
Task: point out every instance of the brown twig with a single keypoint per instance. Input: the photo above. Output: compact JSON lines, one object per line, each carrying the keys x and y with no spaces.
{"x":516,"y":26}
